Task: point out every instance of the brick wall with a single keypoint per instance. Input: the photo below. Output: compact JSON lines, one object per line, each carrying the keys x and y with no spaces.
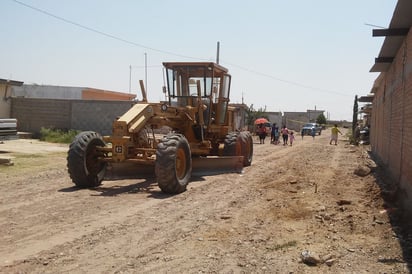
{"x":32,"y":114}
{"x":98,"y":116}
{"x":391,"y":123}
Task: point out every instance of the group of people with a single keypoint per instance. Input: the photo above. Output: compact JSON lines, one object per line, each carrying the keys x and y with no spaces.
{"x":287,"y":135}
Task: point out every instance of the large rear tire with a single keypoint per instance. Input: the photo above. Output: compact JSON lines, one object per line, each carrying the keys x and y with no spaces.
{"x":232,"y":145}
{"x":246,"y":141}
{"x":83,"y":165}
{"x":239,"y":144}
{"x":173,"y":166}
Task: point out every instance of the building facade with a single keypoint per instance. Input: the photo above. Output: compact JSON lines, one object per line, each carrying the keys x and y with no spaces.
{"x":391,"y":114}
{"x":5,"y":95}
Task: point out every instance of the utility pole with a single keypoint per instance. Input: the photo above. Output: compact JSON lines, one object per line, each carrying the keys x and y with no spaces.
{"x":217,"y":52}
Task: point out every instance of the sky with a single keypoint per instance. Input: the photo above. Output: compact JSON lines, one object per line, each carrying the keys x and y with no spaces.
{"x":290,"y":55}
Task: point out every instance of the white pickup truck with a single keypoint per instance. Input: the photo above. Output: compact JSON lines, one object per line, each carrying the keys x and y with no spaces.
{"x":8,"y":129}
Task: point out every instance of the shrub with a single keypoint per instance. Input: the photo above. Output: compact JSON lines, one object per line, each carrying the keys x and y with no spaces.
{"x":57,"y":135}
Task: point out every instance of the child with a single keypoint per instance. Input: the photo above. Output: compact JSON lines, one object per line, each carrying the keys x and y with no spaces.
{"x":291,"y":138}
{"x":275,"y":134}
{"x":334,"y":136}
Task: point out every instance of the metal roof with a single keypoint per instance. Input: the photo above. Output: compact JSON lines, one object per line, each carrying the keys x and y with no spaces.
{"x":401,"y":19}
{"x":366,"y":99}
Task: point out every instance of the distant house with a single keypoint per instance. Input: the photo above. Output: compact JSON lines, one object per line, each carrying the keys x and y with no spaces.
{"x":275,"y":117}
{"x":295,"y":120}
{"x":69,"y":93}
{"x":5,"y":94}
{"x":239,"y":118}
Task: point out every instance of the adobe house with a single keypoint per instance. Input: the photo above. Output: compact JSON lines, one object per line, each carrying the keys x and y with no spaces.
{"x":391,"y":112}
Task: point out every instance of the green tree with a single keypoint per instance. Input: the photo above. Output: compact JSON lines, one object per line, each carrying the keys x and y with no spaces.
{"x":321,"y":119}
{"x":252,"y":114}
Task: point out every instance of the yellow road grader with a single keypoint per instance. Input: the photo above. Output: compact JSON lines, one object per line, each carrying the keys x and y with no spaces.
{"x":198,"y":121}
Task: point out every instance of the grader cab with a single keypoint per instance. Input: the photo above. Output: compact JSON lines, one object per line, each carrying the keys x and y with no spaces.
{"x":194,"y":123}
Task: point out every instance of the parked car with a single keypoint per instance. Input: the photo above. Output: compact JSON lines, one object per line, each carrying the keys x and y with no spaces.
{"x":307,"y":129}
{"x":8,"y":129}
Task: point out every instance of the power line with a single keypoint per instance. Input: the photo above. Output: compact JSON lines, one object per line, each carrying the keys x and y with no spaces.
{"x":101,"y":32}
{"x":287,"y":81}
{"x":167,"y":52}
{"x":372,"y":25}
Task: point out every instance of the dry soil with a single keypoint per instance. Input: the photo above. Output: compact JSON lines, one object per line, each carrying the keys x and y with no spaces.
{"x":296,"y":209}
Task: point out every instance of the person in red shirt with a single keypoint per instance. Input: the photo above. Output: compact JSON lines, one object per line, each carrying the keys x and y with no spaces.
{"x":262,"y":133}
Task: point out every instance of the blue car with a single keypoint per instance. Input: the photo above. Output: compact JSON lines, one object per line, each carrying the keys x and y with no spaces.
{"x":309,"y":127}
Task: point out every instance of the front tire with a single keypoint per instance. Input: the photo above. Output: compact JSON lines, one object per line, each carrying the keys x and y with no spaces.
{"x":173,"y":167}
{"x":83,"y":165}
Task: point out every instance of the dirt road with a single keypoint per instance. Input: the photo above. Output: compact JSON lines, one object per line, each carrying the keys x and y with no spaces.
{"x":292,"y":200}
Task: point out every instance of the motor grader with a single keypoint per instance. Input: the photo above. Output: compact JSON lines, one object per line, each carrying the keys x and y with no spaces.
{"x":198,"y":121}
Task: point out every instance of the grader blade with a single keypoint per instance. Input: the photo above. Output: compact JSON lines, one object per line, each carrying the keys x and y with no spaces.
{"x":217,"y":165}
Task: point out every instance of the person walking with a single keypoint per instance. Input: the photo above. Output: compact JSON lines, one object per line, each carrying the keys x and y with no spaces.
{"x":262,"y":133}
{"x":274,"y":136}
{"x":277,"y":135}
{"x":291,"y":138}
{"x":285,"y":135}
{"x":334,"y":134}
{"x":313,"y":133}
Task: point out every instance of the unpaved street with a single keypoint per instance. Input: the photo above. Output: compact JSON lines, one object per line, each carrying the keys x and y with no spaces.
{"x":290,"y":200}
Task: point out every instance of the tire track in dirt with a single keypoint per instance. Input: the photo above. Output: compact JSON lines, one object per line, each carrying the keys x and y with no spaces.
{"x":253,"y":222}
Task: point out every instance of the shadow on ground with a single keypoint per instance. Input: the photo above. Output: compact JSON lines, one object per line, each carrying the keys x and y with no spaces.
{"x":148,"y":185}
{"x":399,"y":216}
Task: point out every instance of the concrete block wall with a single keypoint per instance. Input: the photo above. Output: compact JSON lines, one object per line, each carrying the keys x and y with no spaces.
{"x":275,"y":117}
{"x":97,"y":115}
{"x":391,"y":121}
{"x":33,"y":114}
